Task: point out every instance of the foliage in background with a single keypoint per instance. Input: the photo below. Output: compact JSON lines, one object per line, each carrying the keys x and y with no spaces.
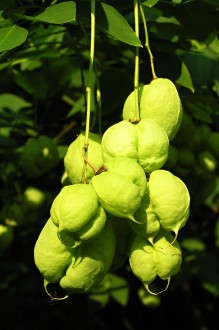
{"x":44,"y":58}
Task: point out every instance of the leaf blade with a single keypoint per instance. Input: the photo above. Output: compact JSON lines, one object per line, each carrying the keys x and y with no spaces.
{"x":11,"y":37}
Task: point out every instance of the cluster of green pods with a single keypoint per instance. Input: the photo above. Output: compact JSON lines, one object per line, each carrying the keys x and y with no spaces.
{"x":117,"y":203}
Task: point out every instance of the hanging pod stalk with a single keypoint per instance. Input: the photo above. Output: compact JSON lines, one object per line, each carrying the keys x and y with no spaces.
{"x":89,"y":87}
{"x":136,"y":73}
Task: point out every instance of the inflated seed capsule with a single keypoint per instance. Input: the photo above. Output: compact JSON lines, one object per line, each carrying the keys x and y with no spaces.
{"x":51,"y":257}
{"x":81,"y":166}
{"x":130,"y":169}
{"x":77,"y":214}
{"x":39,"y":156}
{"x":160,"y":101}
{"x":171,"y":200}
{"x":92,"y":263}
{"x":120,"y":139}
{"x":117,"y":194}
{"x":168,"y":256}
{"x":142,"y":260}
{"x":148,"y":224}
{"x":163,"y":259}
{"x":153,"y":144}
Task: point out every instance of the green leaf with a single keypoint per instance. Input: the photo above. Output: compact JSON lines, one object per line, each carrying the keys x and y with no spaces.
{"x":11,"y":37}
{"x":33,"y":83}
{"x":12,"y":102}
{"x":193,"y":244}
{"x":60,"y":13}
{"x":150,"y":3}
{"x":185,"y":78}
{"x":115,"y":25}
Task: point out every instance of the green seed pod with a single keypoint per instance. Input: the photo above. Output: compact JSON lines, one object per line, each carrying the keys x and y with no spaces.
{"x":6,"y":236}
{"x":13,"y":214}
{"x":142,"y":260}
{"x":74,"y":160}
{"x":153,"y":145}
{"x":33,"y":197}
{"x":148,"y":224}
{"x":207,"y":161}
{"x":94,"y":261}
{"x":120,"y":139}
{"x":170,"y":198}
{"x":75,"y":211}
{"x":87,"y":233}
{"x":39,"y":156}
{"x":168,"y":256}
{"x":161,"y":102}
{"x":129,"y":168}
{"x":129,"y":108}
{"x":117,"y":194}
{"x":51,"y":257}
{"x":163,"y":259}
{"x":149,"y":300}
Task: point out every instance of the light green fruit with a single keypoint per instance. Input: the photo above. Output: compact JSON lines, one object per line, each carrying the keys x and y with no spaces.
{"x":65,"y":179}
{"x":13,"y":214}
{"x":213,"y":144}
{"x":163,"y":259}
{"x":149,"y":300}
{"x":168,"y":255}
{"x":51,"y":257}
{"x":130,"y":169}
{"x":160,"y":101}
{"x":87,"y":233}
{"x":33,"y":197}
{"x":120,"y":139}
{"x":74,"y":211}
{"x":142,"y":260}
{"x":129,"y":109}
{"x":74,"y":160}
{"x":117,"y":194}
{"x":170,"y":198}
{"x":39,"y":156}
{"x":94,"y":261}
{"x":207,"y":161}
{"x":148,"y":224}
{"x":153,"y":145}
{"x":6,"y":236}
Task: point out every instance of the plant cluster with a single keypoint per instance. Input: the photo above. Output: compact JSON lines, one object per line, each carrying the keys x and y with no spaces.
{"x":118,"y":177}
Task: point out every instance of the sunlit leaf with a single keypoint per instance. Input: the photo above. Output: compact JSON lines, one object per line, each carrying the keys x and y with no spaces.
{"x":150,"y":3}
{"x":12,"y":102}
{"x":185,"y":79}
{"x":60,"y":13}
{"x":11,"y":37}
